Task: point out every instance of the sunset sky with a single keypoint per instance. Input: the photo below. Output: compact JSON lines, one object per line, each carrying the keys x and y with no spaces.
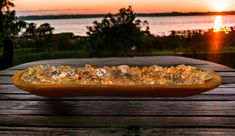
{"x":105,"y":6}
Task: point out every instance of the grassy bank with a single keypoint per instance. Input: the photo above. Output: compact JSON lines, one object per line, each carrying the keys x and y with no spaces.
{"x":29,"y":54}
{"x":24,"y":55}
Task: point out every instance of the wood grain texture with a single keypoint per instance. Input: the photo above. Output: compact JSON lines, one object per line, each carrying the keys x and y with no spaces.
{"x":119,"y":108}
{"x":125,"y":131}
{"x":7,"y":72}
{"x":210,"y":113}
{"x":155,"y":60}
{"x":10,"y":92}
{"x":118,"y":122}
{"x":206,"y":97}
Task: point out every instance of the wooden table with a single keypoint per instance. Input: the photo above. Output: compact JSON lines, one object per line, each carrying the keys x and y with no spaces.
{"x":210,"y":113}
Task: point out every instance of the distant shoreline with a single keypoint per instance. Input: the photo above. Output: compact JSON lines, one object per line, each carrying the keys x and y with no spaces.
{"x":74,"y":16}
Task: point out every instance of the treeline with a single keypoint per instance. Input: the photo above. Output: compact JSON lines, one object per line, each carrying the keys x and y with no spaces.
{"x":13,"y":27}
{"x":191,"y":41}
{"x":73,"y":16}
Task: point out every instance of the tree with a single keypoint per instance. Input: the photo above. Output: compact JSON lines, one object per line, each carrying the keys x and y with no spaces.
{"x":7,"y":59}
{"x":10,"y":27}
{"x":4,"y":5}
{"x":45,"y":29}
{"x":119,"y":32}
{"x":30,"y":30}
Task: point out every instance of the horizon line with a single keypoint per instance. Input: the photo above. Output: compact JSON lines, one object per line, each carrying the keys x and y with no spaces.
{"x":147,"y":13}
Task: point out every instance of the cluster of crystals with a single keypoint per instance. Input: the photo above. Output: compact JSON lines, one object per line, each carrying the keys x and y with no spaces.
{"x":118,"y":75}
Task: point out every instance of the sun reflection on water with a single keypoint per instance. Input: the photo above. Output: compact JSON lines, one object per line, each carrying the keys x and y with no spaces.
{"x":218,"y":23}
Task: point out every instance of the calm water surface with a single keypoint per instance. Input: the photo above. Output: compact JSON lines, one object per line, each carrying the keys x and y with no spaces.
{"x":158,"y":25}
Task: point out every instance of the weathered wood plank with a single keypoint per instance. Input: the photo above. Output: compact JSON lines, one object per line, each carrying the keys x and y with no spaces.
{"x":15,"y":131}
{"x":118,"y":121}
{"x":125,"y":131}
{"x":221,"y":91}
{"x":10,"y":92}
{"x":228,"y":80}
{"x":120,"y":108}
{"x":158,"y":60}
{"x":11,"y":89}
{"x":5,"y":80}
{"x":226,"y":74}
{"x":211,"y":97}
{"x":8,"y":72}
{"x":215,"y":67}
{"x":227,"y":86}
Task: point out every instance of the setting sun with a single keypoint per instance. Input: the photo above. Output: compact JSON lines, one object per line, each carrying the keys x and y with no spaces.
{"x":220,"y":6}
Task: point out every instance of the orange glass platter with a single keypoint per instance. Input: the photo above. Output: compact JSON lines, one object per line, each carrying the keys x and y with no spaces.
{"x":156,"y":90}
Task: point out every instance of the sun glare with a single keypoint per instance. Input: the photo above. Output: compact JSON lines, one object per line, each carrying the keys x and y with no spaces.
{"x":219,"y":26}
{"x":219,"y":6}
{"x":216,"y":37}
{"x":218,"y":23}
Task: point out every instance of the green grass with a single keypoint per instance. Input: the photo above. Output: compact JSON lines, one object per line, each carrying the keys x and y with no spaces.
{"x":228,"y":48}
{"x":23,"y":55}
{"x":161,"y":52}
{"x":29,"y":54}
{"x":23,"y":58}
{"x":24,"y":50}
{"x":21,"y":50}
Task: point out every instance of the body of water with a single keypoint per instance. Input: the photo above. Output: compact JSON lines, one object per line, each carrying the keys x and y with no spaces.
{"x":158,"y":25}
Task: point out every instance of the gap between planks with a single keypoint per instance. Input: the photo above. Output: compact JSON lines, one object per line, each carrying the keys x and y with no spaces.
{"x":120,"y":131}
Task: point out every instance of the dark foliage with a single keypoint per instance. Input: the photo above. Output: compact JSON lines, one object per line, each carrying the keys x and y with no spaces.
{"x":119,"y":32}
{"x":5,"y":26}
